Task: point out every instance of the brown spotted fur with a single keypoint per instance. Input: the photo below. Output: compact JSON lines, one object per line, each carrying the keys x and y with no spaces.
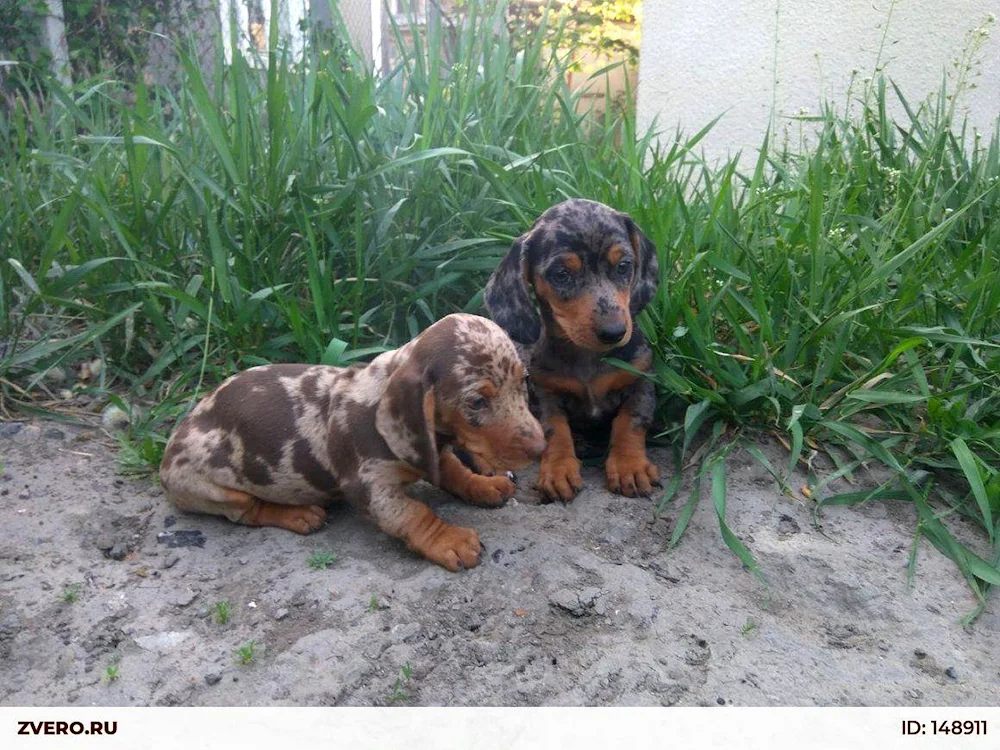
{"x":275,"y":444}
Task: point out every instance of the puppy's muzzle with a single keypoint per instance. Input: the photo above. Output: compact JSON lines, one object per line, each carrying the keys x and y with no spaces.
{"x":534,"y":444}
{"x":612,"y":333}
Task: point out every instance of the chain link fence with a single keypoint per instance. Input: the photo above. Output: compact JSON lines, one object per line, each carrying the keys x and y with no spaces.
{"x":197,"y":22}
{"x":201,"y":24}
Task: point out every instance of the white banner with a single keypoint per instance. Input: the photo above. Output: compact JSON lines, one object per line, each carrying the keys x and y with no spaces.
{"x":500,"y":728}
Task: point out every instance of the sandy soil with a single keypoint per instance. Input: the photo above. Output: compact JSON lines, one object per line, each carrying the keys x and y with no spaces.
{"x":572,"y":605}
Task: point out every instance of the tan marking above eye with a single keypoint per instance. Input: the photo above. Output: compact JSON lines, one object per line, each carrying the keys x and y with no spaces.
{"x":616,"y":254}
{"x":487,"y":389}
{"x":572,"y":261}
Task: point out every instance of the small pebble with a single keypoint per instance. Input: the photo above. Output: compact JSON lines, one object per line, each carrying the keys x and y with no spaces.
{"x":950,"y":671}
{"x":118,"y":551}
{"x":721,"y":701}
{"x":183,"y":598}
{"x":23,"y":495}
{"x":54,"y":434}
{"x":104,"y":543}
{"x":281,"y":614}
{"x":214,"y":678}
{"x":170,"y":562}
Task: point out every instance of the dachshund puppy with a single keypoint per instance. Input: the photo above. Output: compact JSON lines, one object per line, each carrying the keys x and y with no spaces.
{"x":274,"y":444}
{"x":591,"y":271}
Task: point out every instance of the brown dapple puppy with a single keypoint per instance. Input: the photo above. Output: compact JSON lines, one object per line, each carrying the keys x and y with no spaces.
{"x":272,"y":445}
{"x":568,"y":293}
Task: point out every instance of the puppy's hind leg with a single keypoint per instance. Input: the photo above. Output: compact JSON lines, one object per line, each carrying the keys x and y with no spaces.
{"x":302,"y":519}
{"x":199,"y":495}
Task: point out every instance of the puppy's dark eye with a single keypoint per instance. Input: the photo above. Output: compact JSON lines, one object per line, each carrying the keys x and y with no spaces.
{"x":559,"y":275}
{"x":624,"y":268}
{"x":477,"y":404}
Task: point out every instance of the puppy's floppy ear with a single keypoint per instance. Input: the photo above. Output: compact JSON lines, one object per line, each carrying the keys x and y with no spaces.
{"x":507,"y":298}
{"x":405,"y":418}
{"x":647,"y":272}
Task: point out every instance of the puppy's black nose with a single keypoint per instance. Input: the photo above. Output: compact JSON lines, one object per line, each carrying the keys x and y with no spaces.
{"x":611,"y":333}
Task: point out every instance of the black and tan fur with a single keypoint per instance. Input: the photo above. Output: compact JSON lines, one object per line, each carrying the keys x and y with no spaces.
{"x":272,"y":445}
{"x":568,"y":292}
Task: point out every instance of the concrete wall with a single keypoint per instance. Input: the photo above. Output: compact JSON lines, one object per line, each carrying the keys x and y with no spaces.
{"x":763,"y":61}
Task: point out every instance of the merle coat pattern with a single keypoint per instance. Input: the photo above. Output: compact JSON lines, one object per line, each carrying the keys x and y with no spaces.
{"x":273,"y":445}
{"x":568,"y":292}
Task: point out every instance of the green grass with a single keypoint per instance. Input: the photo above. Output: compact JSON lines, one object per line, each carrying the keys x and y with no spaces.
{"x":70,"y":593}
{"x":138,"y":456}
{"x":113,"y":671}
{"x":402,"y":684}
{"x":222,"y":613}
{"x":843,"y":297}
{"x":321,"y":559}
{"x":247,"y":653}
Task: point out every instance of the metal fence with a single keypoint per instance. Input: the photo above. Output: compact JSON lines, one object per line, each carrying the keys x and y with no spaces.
{"x":202,"y":23}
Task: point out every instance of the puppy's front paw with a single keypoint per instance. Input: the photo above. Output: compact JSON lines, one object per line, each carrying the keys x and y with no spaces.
{"x":559,"y":478}
{"x":481,"y":465}
{"x":454,"y":548}
{"x":631,"y":474}
{"x":488,"y":490}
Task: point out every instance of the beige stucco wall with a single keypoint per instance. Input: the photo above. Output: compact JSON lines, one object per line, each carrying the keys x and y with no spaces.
{"x":751,"y":58}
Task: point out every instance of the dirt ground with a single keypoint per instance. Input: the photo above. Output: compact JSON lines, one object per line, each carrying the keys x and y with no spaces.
{"x":572,"y":605}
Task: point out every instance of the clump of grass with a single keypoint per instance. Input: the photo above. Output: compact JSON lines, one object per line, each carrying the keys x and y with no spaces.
{"x":222,"y":612}
{"x":374,"y":605}
{"x":113,"y":671}
{"x":138,"y":457}
{"x":402,"y":684}
{"x":70,"y":593}
{"x":247,"y":653}
{"x":321,"y":559}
